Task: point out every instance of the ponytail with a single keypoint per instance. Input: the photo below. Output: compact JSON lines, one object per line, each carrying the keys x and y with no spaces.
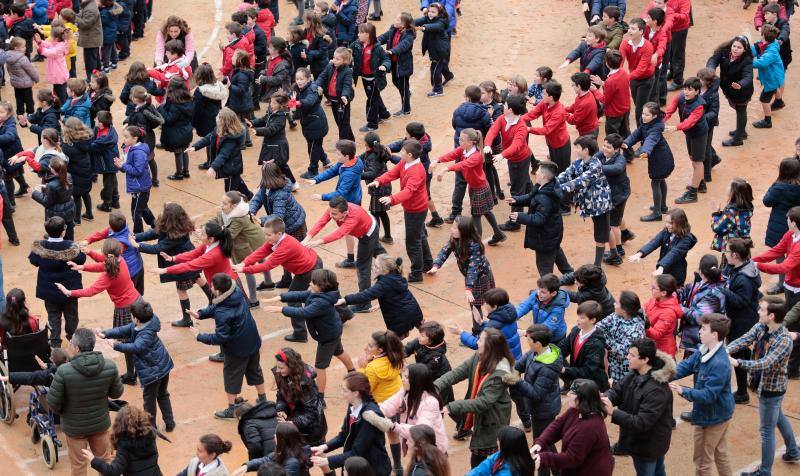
{"x":112,"y":250}
{"x":392,"y":346}
{"x":137,"y":132}
{"x":222,"y":236}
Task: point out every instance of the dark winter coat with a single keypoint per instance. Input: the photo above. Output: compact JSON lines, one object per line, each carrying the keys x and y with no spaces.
{"x":280,"y":80}
{"x":309,"y":110}
{"x":344,"y":82}
{"x":104,"y":149}
{"x":133,"y":457}
{"x":101,"y":101}
{"x":43,"y":377}
{"x":108,"y":20}
{"x":240,"y":100}
{"x":540,"y":383}
{"x":590,"y":362}
{"x":780,"y":197}
{"x":126,"y":16}
{"x":150,"y":357}
{"x":660,"y":162}
{"x":296,"y":50}
{"x":80,"y":165}
{"x":176,"y":131}
{"x":435,"y":358}
{"x":227,"y":153}
{"x":51,"y":258}
{"x":741,"y":297}
{"x":544,"y":227}
{"x":10,"y":145}
{"x":600,"y":294}
{"x":272,"y":127}
{"x":56,"y":199}
{"x":80,"y":392}
{"x":400,"y":309}
{"x":259,"y":43}
{"x":740,"y":71}
{"x":671,"y":253}
{"x":614,"y":168}
{"x":305,"y":411}
{"x":470,"y":114}
{"x":279,"y":202}
{"x":137,"y":170}
{"x":346,"y":21}
{"x":435,"y":38}
{"x":317,"y":54}
{"x":592,"y":58}
{"x":41,"y":120}
{"x":400,"y":53}
{"x":235,"y":330}
{"x":644,"y":410}
{"x":206,"y":104}
{"x":329,"y":22}
{"x":361,"y":439}
{"x":711,"y":110}
{"x":322,"y":319}
{"x":379,"y":58}
{"x":170,"y":246}
{"x":149,"y":119}
{"x":257,"y":429}
{"x":504,"y":319}
{"x":149,"y":86}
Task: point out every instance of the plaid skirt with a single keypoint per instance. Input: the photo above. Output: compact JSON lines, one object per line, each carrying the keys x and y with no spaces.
{"x":375,"y":194}
{"x":480,"y":200}
{"x":484,"y":283}
{"x":122,"y":316}
{"x":184,"y":285}
{"x":300,"y":233}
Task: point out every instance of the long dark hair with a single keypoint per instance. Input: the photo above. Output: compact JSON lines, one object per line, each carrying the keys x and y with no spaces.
{"x":426,"y":451}
{"x":289,"y":444}
{"x":587,"y":395}
{"x":420,"y":381}
{"x":495,"y":349}
{"x":392,"y":346}
{"x":709,"y":267}
{"x":467,"y":234}
{"x":177,"y":91}
{"x":741,"y":194}
{"x":725,"y":47}
{"x":789,"y":171}
{"x":15,"y":318}
{"x":291,"y":385}
{"x":442,"y":11}
{"x":514,"y":450}
{"x":222,"y":235}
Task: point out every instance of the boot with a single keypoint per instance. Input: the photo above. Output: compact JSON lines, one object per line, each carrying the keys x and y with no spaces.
{"x":689,"y":196}
{"x":765,"y":123}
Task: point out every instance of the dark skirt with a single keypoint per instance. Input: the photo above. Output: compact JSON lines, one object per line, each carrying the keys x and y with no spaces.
{"x":484,"y":283}
{"x":185,"y":284}
{"x":481,"y":201}
{"x":375,"y":194}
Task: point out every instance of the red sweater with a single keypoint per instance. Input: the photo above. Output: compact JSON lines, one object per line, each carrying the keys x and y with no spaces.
{"x":120,"y":288}
{"x":790,"y":266}
{"x":583,"y":113}
{"x":210,"y":263}
{"x":412,"y":194}
{"x":585,"y":449}
{"x":514,"y":139}
{"x":616,"y":94}
{"x":660,"y":40}
{"x":669,"y":20}
{"x":242,"y":43}
{"x":289,"y":253}
{"x":356,"y":223}
{"x":470,"y":166}
{"x":638,"y":61}
{"x":681,"y":19}
{"x":554,"y":123}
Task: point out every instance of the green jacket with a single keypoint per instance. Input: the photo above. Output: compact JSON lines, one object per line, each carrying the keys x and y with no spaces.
{"x":246,"y":234}
{"x":80,"y":392}
{"x":614,"y":35}
{"x":492,"y":405}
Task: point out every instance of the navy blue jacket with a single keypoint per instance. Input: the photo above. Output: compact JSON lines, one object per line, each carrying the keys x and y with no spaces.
{"x":259,"y":43}
{"x":711,"y":397}
{"x":360,"y":438}
{"x":41,"y":120}
{"x":671,"y":254}
{"x":149,"y":86}
{"x":51,"y":258}
{"x":204,"y":112}
{"x":279,"y":202}
{"x":470,"y":114}
{"x":148,"y":118}
{"x":235,"y":330}
{"x":685,"y":109}
{"x":56,"y":200}
{"x":435,"y":38}
{"x":504,"y":319}
{"x":401,"y":53}
{"x":109,"y":21}
{"x":317,"y":54}
{"x":344,"y":82}
{"x":614,"y":168}
{"x":79,"y":165}
{"x":711,"y":97}
{"x":227,"y":155}
{"x":741,"y":297}
{"x":322,"y":319}
{"x":660,"y":162}
{"x":599,"y":5}
{"x":104,"y":150}
{"x":780,"y":197}
{"x":272,"y":127}
{"x":379,"y":58}
{"x":240,"y":100}
{"x":544,"y":227}
{"x":540,"y":383}
{"x":400,"y":309}
{"x":176,"y":132}
{"x":137,"y":169}
{"x":170,"y":246}
{"x":126,"y":16}
{"x":346,"y":21}
{"x":150,"y":357}
{"x":592,"y":59}
{"x":10,"y":145}
{"x":309,"y":110}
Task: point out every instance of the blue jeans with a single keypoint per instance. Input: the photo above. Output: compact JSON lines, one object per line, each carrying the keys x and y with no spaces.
{"x":649,"y":467}
{"x":770,"y":415}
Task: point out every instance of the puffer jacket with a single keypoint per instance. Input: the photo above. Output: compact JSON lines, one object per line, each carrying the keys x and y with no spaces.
{"x":227,"y":153}
{"x":308,"y":109}
{"x":663,"y":317}
{"x":470,"y":115}
{"x":494,"y":465}
{"x":305,"y":410}
{"x":698,"y":298}
{"x":257,"y":429}
{"x":80,"y":392}
{"x":272,"y":127}
{"x":644,"y":409}
{"x":600,"y":294}
{"x":78,"y":107}
{"x":207,"y":102}
{"x":176,"y":131}
{"x":544,"y":226}
{"x":348,"y":184}
{"x":51,"y":258}
{"x":56,"y":199}
{"x":346,"y":21}
{"x":43,"y":119}
{"x":279,"y":80}
{"x":614,"y":168}
{"x":150,"y":357}
{"x":728,"y":223}
{"x":614,"y":34}
{"x":539,"y":382}
{"x":133,"y":457}
{"x":240,"y":99}
{"x":428,"y":413}
{"x":741,"y":297}
{"x":89,"y":25}
{"x":136,"y":168}
{"x":324,"y":323}
{"x":10,"y":145}
{"x":550,"y":314}
{"x":769,"y":65}
{"x":399,"y":307}
{"x":170,"y":246}
{"x":38,"y":11}
{"x":384,"y":379}
{"x":235,"y":330}
{"x":671,"y":252}
{"x":592,"y":194}
{"x":401,"y":52}
{"x":55,"y":65}
{"x":80,"y":165}
{"x":246,"y":234}
{"x":108,"y":21}
{"x":21,"y":72}
{"x":101,"y":101}
{"x":504,"y":319}
{"x":279,"y":202}
{"x":104,"y":149}
{"x":147,"y":117}
{"x":780,"y":197}
{"x":589,"y":361}
{"x":434,"y":357}
{"x":660,"y":162}
{"x":150,"y":86}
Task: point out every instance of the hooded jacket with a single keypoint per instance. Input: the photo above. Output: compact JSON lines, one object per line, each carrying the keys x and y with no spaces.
{"x":235,"y":330}
{"x":104,"y":149}
{"x":435,"y":37}
{"x":399,"y":307}
{"x":279,"y":202}
{"x":644,"y":409}
{"x":21,"y":72}
{"x":309,"y":110}
{"x":257,"y":429}
{"x":614,"y":34}
{"x":663,"y":317}
{"x":434,"y":357}
{"x":89,"y":25}
{"x":305,"y":410}
{"x":149,"y":85}
{"x":108,"y":21}
{"x":592,"y":58}
{"x":80,"y":107}
{"x":384,"y":379}
{"x":56,"y":199}
{"x":731,"y":222}
{"x":621,"y":332}
{"x":240,"y":99}
{"x":470,"y":114}
{"x":544,"y":227}
{"x":150,"y":357}
{"x":780,"y":197}
{"x":600,"y":294}
{"x":101,"y":101}
{"x":504,"y":319}
{"x":672,"y":252}
{"x":79,"y":165}
{"x":207,"y":102}
{"x":176,"y":131}
{"x":272,"y":127}
{"x":148,"y":118}
{"x":51,"y":258}
{"x":591,"y":192}
{"x":697,"y":299}
{"x":227,"y":153}
{"x":550,"y":314}
{"x":279,"y":80}
{"x":360,"y":438}
{"x":43,"y":119}
{"x":348,"y":184}
{"x":660,"y":162}
{"x":136,"y":168}
{"x":322,"y":319}
{"x":615,"y":170}
{"x":428,"y":413}
{"x":741,"y":297}
{"x":769,"y":65}
{"x":589,"y":362}
{"x":55,"y":65}
{"x":133,"y":457}
{"x":246,"y":234}
{"x":80,"y":392}
{"x":540,"y":382}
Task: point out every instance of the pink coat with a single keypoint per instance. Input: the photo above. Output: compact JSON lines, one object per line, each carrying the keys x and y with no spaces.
{"x":188,"y":54}
{"x":428,"y":413}
{"x":56,"y":71}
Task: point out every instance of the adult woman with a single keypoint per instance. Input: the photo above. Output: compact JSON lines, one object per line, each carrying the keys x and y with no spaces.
{"x":134,"y":440}
{"x":513,"y":457}
{"x":289,"y":453}
{"x":780,"y":197}
{"x":15,"y":319}
{"x":426,"y":458}
{"x":76,"y":144}
{"x":585,"y":449}
{"x":176,"y":28}
{"x":741,"y":302}
{"x":357,"y":437}
{"x":208,"y":462}
{"x":298,"y":400}
{"x":487,"y":404}
{"x":735,"y":60}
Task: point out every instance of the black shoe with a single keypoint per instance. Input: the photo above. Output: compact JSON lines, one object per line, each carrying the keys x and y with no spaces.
{"x":733,"y":134}
{"x":169,"y":426}
{"x":76,"y":223}
{"x":87,"y":216}
{"x":374,"y":17}
{"x":21,"y":192}
{"x":175,"y":176}
{"x":450,"y":219}
{"x":415,"y":278}
{"x":715,"y":160}
{"x":156,"y":183}
{"x":732,"y":142}
{"x":115,"y":205}
{"x":689,"y":196}
{"x":497,"y":239}
{"x":218,"y":357}
{"x":265,"y":286}
{"x":294,"y":338}
{"x":128,"y":379}
{"x":447,"y":80}
{"x":367,"y":128}
{"x":387,"y":239}
{"x":253,"y":305}
{"x":14,"y":241}
{"x":308,"y":175}
{"x":702,"y":188}
{"x":627,"y":235}
{"x":651,"y":217}
{"x":686,"y":416}
{"x":741,"y":399}
{"x":567,"y":279}
{"x":765,"y":123}
{"x":186,"y":175}
{"x":204,"y":166}
{"x":182,"y":323}
{"x":777,"y":104}
{"x":226,"y":414}
{"x":360,"y":309}
{"x":435,"y":222}
{"x":346,"y":264}
{"x":462,"y":435}
{"x":615,"y":260}
{"x":283,"y":284}
{"x":510,"y":226}
{"x":618,"y":450}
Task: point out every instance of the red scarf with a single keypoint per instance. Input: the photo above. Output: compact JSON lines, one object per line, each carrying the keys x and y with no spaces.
{"x":477,"y":382}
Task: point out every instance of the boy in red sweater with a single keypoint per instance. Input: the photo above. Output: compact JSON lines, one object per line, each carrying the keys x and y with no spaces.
{"x":681,"y":22}
{"x":659,"y":35}
{"x":514,"y":140}
{"x":414,"y":198}
{"x":582,"y":113}
{"x":638,"y":53}
{"x":234,"y":41}
{"x":616,"y":98}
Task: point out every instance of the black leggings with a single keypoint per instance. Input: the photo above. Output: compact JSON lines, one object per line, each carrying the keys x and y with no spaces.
{"x":383,"y":217}
{"x":87,"y":200}
{"x":659,"y":188}
{"x":181,"y":163}
{"x":741,"y":121}
{"x":476,"y":221}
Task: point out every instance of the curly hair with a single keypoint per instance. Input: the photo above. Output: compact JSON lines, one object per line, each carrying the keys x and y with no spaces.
{"x":291,"y":385}
{"x":75,"y":131}
{"x":174,"y":221}
{"x":174,"y":20}
{"x":131,"y":422}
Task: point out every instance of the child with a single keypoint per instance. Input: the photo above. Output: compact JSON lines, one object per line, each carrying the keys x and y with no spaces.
{"x":213,"y":257}
{"x":43,"y":377}
{"x":673,"y":243}
{"x":236,"y":333}
{"x":21,"y":27}
{"x":399,"y":307}
{"x":500,"y":315}
{"x":348,"y":168}
{"x":469,"y":161}
{"x":145,"y":116}
{"x":375,"y":158}
{"x":234,"y":40}
{"x":702,"y":296}
{"x":306,"y":105}
{"x":659,"y":34}
{"x":515,"y":85}
{"x":55,"y":193}
{"x":336,"y":82}
{"x":591,"y":282}
{"x":101,"y":95}
{"x":613,"y":26}
{"x":782,"y":195}
{"x":430,"y":349}
{"x":137,"y":76}
{"x":345,"y":12}
{"x":123,"y":35}
{"x":140,"y":340}
{"x":322,"y":319}
{"x":637,"y":51}
{"x":174,"y":68}
{"x":137,"y":175}
{"x":734,"y":220}
{"x":372,"y":72}
{"x":591,"y":193}
{"x":297,"y":47}
{"x":663,"y":313}
{"x":329,"y":23}
{"x":319,"y":42}
{"x":710,"y":94}
{"x":118,"y":229}
{"x":585,"y":348}
{"x":272,"y":127}
{"x":176,"y":130}
{"x":582,"y":113}
{"x":382,"y":362}
{"x":760,"y":17}
{"x":614,"y":168}
{"x":436,"y":42}
{"x":51,"y":256}
{"x":691,"y":109}
{"x":22,"y":75}
{"x":414,"y":199}
{"x":226,"y":142}
{"x":257,"y":36}
{"x":206,"y":103}
{"x":416,"y":131}
{"x":78,"y":103}
{"x":547,"y":304}
{"x":116,"y":281}
{"x":615,"y":98}
{"x":541,"y":76}
{"x":76,"y":145}
{"x":55,"y":49}
{"x":767,"y":60}
{"x":470,"y":255}
{"x":624,"y":326}
{"x":591,"y":51}
{"x":67,"y":16}
{"x":47,"y":115}
{"x":240,"y":99}
{"x":782,"y":24}
{"x":104,"y":150}
{"x":277,"y":75}
{"x":172,"y":232}
{"x":109,"y":12}
{"x":257,"y":428}
{"x":399,"y":41}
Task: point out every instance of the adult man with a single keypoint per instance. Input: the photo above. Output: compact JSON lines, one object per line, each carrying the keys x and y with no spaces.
{"x":90,"y":35}
{"x":641,"y":404}
{"x":79,"y":393}
{"x":711,"y":397}
{"x":767,"y":377}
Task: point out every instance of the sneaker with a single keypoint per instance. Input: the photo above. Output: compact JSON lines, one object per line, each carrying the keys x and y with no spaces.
{"x":689,"y":196}
{"x":497,"y":239}
{"x":218,"y":357}
{"x":567,"y":279}
{"x":265,"y":286}
{"x":732,"y":142}
{"x":778,"y":104}
{"x":182,"y":323}
{"x":435,"y":222}
{"x":387,"y":239}
{"x":686,"y":416}
{"x":114,"y":66}
{"x":627,"y":235}
{"x":204,"y":166}
{"x":450,"y":219}
{"x":308,"y":175}
{"x":87,"y":216}
{"x":703,"y":188}
{"x":651,"y":217}
{"x":434,"y":94}
{"x":128,"y":379}
{"x":226,"y":414}
{"x":294,"y":338}
{"x":415,"y":278}
{"x":757,"y":472}
{"x":777,"y":289}
{"x":765,"y":123}
{"x":510,"y":226}
{"x":462,"y":435}
{"x":787,"y":458}
{"x":401,"y":113}
{"x":367,"y":128}
{"x":346,"y":264}
{"x":741,"y":399}
{"x":615,"y":260}
{"x":283,"y":284}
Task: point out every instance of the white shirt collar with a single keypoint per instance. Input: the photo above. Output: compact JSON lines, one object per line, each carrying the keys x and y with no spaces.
{"x":356,"y":411}
{"x":279,"y":241}
{"x":636,"y":46}
{"x":582,"y":337}
{"x":613,"y":71}
{"x":467,"y":153}
{"x":411,"y":164}
{"x":512,"y":122}
{"x":796,"y":237}
{"x":54,"y":240}
{"x":211,"y":247}
{"x":205,"y":468}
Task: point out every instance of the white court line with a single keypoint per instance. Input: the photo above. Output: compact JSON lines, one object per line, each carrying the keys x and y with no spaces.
{"x":752,"y":466}
{"x":215,"y":31}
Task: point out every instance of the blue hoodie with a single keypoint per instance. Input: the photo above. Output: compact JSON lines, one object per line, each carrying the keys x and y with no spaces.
{"x":504,"y":319}
{"x":769,"y":65}
{"x":349,"y":184}
{"x":551,"y":315}
{"x":470,"y":114}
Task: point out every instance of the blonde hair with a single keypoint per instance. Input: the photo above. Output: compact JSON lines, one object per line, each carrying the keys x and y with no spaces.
{"x":228,"y":123}
{"x":388,"y":264}
{"x":75,"y":130}
{"x":345,"y":53}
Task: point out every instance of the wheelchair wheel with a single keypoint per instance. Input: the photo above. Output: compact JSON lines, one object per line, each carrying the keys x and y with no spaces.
{"x":35,"y":435}
{"x":7,"y":411}
{"x":49,"y":451}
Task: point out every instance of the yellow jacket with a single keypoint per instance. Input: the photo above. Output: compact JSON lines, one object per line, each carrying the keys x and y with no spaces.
{"x":73,"y":42}
{"x":384,"y":380}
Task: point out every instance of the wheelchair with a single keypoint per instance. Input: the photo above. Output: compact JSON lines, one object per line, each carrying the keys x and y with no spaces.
{"x":19,"y":356}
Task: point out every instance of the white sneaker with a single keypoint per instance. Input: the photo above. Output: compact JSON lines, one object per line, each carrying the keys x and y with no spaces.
{"x":295,"y":187}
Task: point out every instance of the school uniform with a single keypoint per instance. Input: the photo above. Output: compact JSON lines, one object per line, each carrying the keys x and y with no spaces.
{"x":399,"y":45}
{"x":436,"y":42}
{"x":672,"y":250}
{"x":227,"y":163}
{"x":130,"y":254}
{"x":616,"y":100}
{"x":711,"y":98}
{"x":367,"y":59}
{"x":682,"y":21}
{"x":641,"y":72}
{"x":693,"y":124}
{"x":582,"y":114}
{"x":337,"y":83}
{"x":138,"y":184}
{"x":104,"y":150}
{"x":120,"y":288}
{"x":660,"y":162}
{"x":307,"y":107}
{"x":514,"y":138}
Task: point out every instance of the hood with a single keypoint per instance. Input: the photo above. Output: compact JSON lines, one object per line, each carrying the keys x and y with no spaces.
{"x":427,"y":144}
{"x":561,"y":300}
{"x":242,"y":209}
{"x":116,"y":9}
{"x":597,"y":294}
{"x":239,"y":136}
{"x":13,"y":57}
{"x":330,"y":296}
{"x":671,"y":303}
{"x":472,"y":112}
{"x":383,"y":368}
{"x":504,"y":365}
{"x":505,"y":314}
{"x":140,"y":447}
{"x":548,"y":189}
{"x":222,"y":297}
{"x":107,"y":93}
{"x":88,"y":364}
{"x":40,"y":152}
{"x":748,"y":269}
{"x":261,"y":411}
{"x":394,"y":280}
{"x":69,"y":254}
{"x":665,"y":373}
{"x":153,"y":325}
{"x":139,"y":146}
{"x":216,"y":91}
{"x":553,"y":359}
